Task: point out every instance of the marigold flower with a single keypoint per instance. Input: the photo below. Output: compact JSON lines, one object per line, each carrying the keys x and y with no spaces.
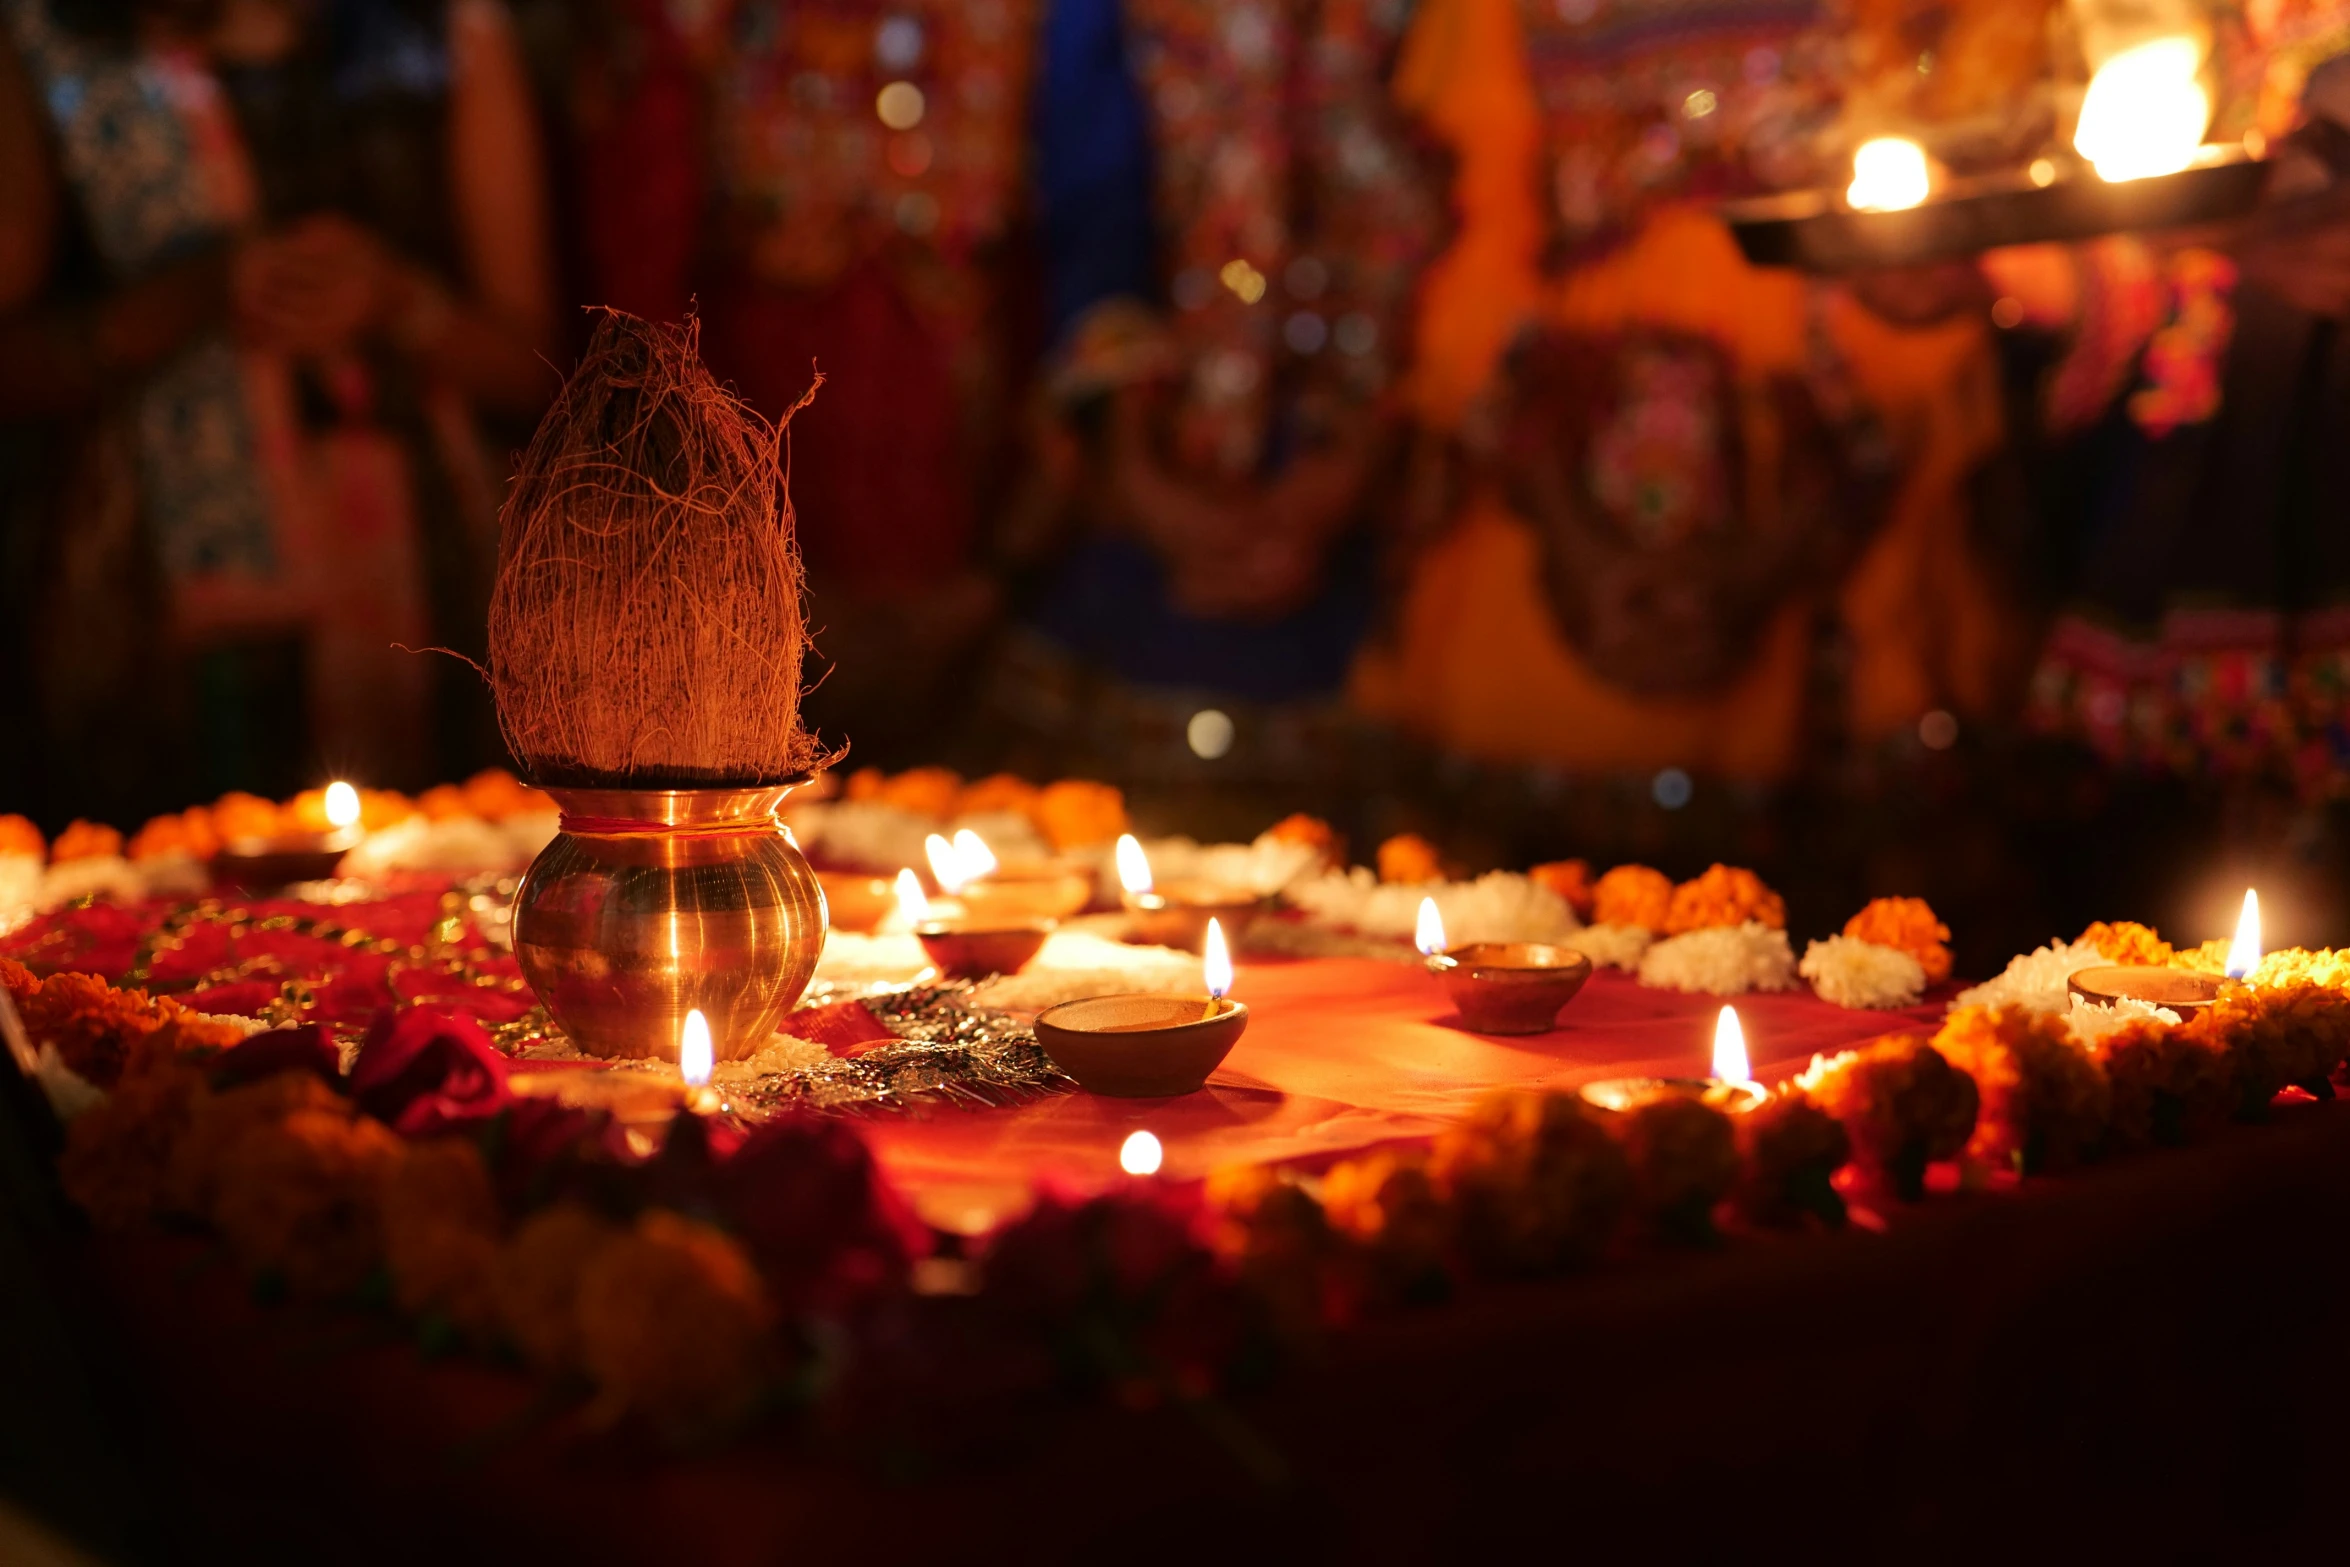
{"x":1311,"y":832}
{"x":1726,"y":895}
{"x":2299,"y":966}
{"x":443,"y":803}
{"x":1633,"y":895}
{"x":493,"y":794}
{"x":98,"y":1028}
{"x":296,"y":1198}
{"x":440,"y":1228}
{"x":84,"y":841}
{"x":1535,"y":1180}
{"x":1571,"y":880}
{"x":2170,"y":1085}
{"x":1789,"y":1148}
{"x":381,"y":808}
{"x":2126,"y":941}
{"x":19,"y":836}
{"x":674,"y":1324}
{"x":1007,"y":793}
{"x":1077,"y":813}
{"x":1272,"y":1234}
{"x":1409,"y":859}
{"x":118,"y":1157}
{"x":1903,"y":1105}
{"x":224,"y":1120}
{"x":2044,"y":1103}
{"x":238,"y":815}
{"x":924,"y":791}
{"x":866,"y":783}
{"x":1911,"y":926}
{"x":535,"y":1283}
{"x":1387,"y":1204}
{"x":2210,"y":958}
{"x":1684,"y":1158}
{"x":2276,"y":1037}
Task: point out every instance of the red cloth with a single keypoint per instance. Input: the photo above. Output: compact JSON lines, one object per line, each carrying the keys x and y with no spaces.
{"x":1340,"y":1055}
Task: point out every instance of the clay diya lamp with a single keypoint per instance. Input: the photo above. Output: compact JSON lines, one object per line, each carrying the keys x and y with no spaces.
{"x":1731,"y":1088}
{"x":1510,"y":987}
{"x":2179,"y":990}
{"x":1141,"y":1047}
{"x":1013,"y":893}
{"x":856,"y":903}
{"x":1178,"y":913}
{"x":970,"y":949}
{"x":280,"y":860}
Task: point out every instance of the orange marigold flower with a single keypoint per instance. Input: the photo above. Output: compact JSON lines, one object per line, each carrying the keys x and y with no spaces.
{"x":1312,"y":832}
{"x":19,"y":836}
{"x":1902,"y":1103}
{"x":305,"y":812}
{"x":2210,"y":958}
{"x":1633,"y":895}
{"x":118,"y":1156}
{"x":1274,"y":1237}
{"x":999,"y":792}
{"x":296,"y":1198}
{"x":2170,"y":1085}
{"x":224,"y":1121}
{"x":1684,"y":1158}
{"x":381,"y":808}
{"x":2045,"y":1104}
{"x":84,"y":841}
{"x":2299,"y":966}
{"x":237,"y":815}
{"x":162,"y":836}
{"x":1571,"y":880}
{"x":1076,"y":813}
{"x":1409,"y":860}
{"x":1908,"y":925}
{"x":1724,"y":895}
{"x":2276,"y":1037}
{"x":536,"y":1281}
{"x":924,"y":791}
{"x":866,"y":783}
{"x":443,"y":803}
{"x":440,"y":1227}
{"x":98,"y":1028}
{"x":1386,"y":1204}
{"x":493,"y":794}
{"x":2126,"y":941}
{"x":1535,"y":1181}
{"x":1789,"y":1148}
{"x":674,"y":1324}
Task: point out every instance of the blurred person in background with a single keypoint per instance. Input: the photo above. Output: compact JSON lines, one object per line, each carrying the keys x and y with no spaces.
{"x":2186,"y":399}
{"x":1233,"y":219}
{"x":260,"y":262}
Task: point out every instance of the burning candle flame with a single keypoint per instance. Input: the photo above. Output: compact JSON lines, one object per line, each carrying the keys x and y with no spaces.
{"x":1216,"y":961}
{"x":911,"y":903}
{"x":2145,"y":112}
{"x":1134,"y":867}
{"x":1140,"y":1154}
{"x":946,"y":866}
{"x":1429,"y":935}
{"x":2244,"y":951}
{"x":1888,"y":175}
{"x":342,"y":804}
{"x":693,"y":1049}
{"x":1730,"y":1065}
{"x":973,"y":855}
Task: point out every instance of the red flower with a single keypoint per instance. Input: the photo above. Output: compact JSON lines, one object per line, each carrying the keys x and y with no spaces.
{"x":428,"y":1069}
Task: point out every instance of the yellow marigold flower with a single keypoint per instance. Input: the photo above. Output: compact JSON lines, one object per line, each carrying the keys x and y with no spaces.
{"x":2170,"y":1085}
{"x":535,"y":1283}
{"x":1788,"y":1149}
{"x":1684,"y":1158}
{"x":674,"y":1324}
{"x":1902,"y":1103}
{"x":1908,"y":925}
{"x":1633,"y":895}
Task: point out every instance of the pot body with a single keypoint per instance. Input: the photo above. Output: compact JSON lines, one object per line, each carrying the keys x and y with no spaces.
{"x":653,"y":902}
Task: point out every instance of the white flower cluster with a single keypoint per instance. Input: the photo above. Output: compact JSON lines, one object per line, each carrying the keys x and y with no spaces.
{"x":1853,"y":973}
{"x":1498,"y":906}
{"x":1612,"y":946}
{"x":2036,"y":980}
{"x":2091,"y":1021}
{"x":1727,"y":960}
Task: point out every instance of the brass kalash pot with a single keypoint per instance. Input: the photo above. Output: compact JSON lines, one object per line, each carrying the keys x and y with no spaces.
{"x":653,"y":902}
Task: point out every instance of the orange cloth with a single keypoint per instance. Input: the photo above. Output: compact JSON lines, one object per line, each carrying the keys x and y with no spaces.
{"x":1477,"y":663}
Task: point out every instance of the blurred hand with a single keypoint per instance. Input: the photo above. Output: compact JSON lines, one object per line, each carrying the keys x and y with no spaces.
{"x":317,"y":288}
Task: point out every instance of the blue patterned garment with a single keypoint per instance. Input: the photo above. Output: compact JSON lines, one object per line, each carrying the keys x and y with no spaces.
{"x":129,"y":162}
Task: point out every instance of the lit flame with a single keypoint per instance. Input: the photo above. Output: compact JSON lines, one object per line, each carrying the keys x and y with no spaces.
{"x":2244,"y":951}
{"x":1888,"y":175}
{"x":1134,"y":867}
{"x":1216,"y":961}
{"x":2145,"y":113}
{"x":693,"y":1049}
{"x":1140,"y":1154}
{"x":911,"y":904}
{"x":946,"y":866}
{"x":1429,"y":935}
{"x":342,"y":804}
{"x":1730,"y":1064}
{"x":973,"y":855}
